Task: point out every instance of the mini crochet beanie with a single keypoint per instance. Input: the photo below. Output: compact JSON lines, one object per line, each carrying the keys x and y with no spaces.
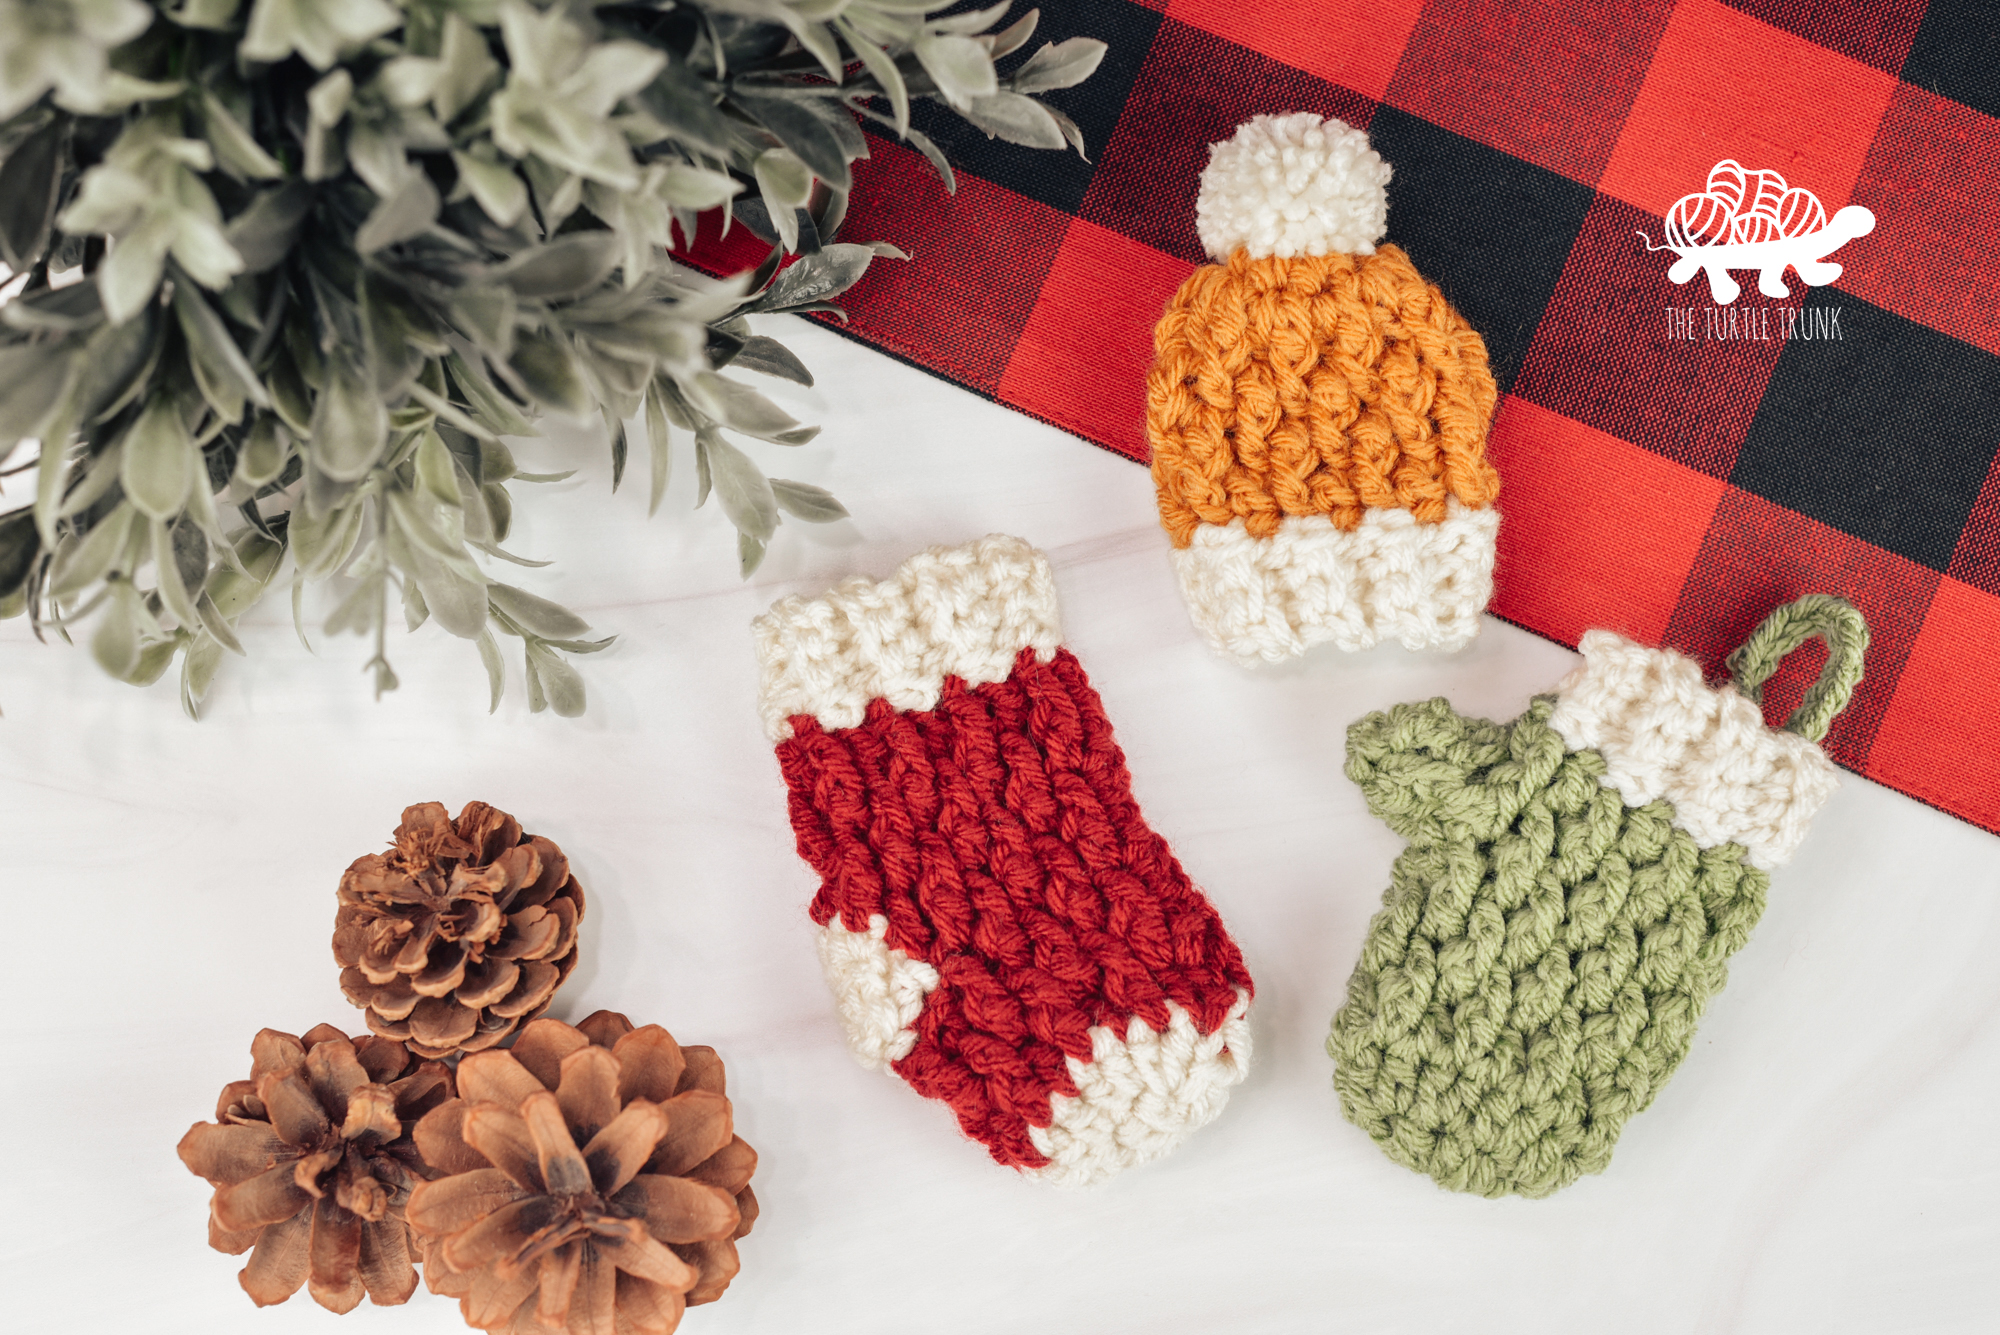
{"x":1575,"y":884}
{"x":1318,"y":413}
{"x":999,"y":925}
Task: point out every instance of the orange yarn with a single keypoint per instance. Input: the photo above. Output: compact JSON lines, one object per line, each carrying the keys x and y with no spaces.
{"x":1320,"y":384}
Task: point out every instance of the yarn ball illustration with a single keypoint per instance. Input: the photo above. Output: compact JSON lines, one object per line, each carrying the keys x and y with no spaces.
{"x":1575,"y":884}
{"x":1741,"y":207}
{"x":1318,"y":412}
{"x":997,"y":922}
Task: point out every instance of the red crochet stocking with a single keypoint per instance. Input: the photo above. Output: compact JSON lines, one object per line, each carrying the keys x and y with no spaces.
{"x":997,"y":921}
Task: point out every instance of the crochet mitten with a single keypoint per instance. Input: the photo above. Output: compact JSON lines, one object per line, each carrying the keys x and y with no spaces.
{"x":999,"y":925}
{"x":1575,"y":884}
{"x":1318,"y":412}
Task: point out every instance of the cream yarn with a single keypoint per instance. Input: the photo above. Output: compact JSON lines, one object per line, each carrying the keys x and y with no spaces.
{"x":1293,"y":185}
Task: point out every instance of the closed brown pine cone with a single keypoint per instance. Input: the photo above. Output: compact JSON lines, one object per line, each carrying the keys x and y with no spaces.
{"x":312,"y":1164}
{"x":590,"y":1181}
{"x":460,"y":933}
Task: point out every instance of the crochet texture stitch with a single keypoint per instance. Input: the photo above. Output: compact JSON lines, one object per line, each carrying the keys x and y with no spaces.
{"x":1318,"y":413}
{"x":1575,"y":884}
{"x":998,"y":923}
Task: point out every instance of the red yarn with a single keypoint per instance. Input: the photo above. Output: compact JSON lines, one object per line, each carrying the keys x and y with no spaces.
{"x":998,"y":835}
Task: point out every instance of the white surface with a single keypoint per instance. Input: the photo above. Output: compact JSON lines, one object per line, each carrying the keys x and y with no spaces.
{"x":1825,"y":1161}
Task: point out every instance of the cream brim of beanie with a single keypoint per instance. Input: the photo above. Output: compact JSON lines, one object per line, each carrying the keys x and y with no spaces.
{"x":1389,"y":578}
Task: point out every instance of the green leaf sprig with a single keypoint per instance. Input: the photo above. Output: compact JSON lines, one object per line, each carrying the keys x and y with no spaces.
{"x":285,"y":274}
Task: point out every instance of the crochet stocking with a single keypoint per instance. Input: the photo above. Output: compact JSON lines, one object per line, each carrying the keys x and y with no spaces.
{"x":999,"y":925}
{"x":1575,"y":884}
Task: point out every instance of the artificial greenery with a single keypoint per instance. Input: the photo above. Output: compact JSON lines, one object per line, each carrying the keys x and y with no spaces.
{"x":286,"y":272}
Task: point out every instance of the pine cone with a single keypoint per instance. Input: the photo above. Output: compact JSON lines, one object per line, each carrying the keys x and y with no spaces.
{"x":460,"y":933}
{"x":312,"y":1166}
{"x":591,"y":1181}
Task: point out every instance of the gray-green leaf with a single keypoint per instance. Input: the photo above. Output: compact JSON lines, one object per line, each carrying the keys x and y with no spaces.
{"x":115,"y":646}
{"x":20,"y":544}
{"x":801,"y":131}
{"x":549,"y":370}
{"x":696,"y":188}
{"x":496,"y":670}
{"x":935,"y":156}
{"x":31,"y":381}
{"x":535,"y":614}
{"x":660,"y":445}
{"x":749,"y":554}
{"x":28,"y":180}
{"x":960,"y":67}
{"x":736,"y":405}
{"x":434,"y":468}
{"x":415,"y":611}
{"x":1059,"y":65}
{"x":811,"y":278}
{"x":566,"y":267}
{"x":172,"y":578}
{"x":803,"y":500}
{"x":880,"y":64}
{"x":1070,"y":129}
{"x":786,"y":185}
{"x":500,"y":190}
{"x":457,"y":603}
{"x":217,"y":625}
{"x":1017,"y":119}
{"x":767,"y":356}
{"x":80,"y":564}
{"x":350,"y":426}
{"x":1016,"y":34}
{"x":560,"y":683}
{"x":160,"y":460}
{"x":744,"y":491}
{"x":469,"y":69}
{"x":403,"y":215}
{"x":212,"y":344}
{"x":263,"y":233}
{"x":318,"y":30}
{"x":236,"y":149}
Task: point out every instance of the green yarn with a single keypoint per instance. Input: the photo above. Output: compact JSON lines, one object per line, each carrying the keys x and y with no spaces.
{"x":1540,"y":960}
{"x":1832,"y":619}
{"x":1544,"y":950}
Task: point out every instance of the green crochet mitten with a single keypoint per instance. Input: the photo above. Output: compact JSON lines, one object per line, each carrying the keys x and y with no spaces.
{"x":1575,"y":884}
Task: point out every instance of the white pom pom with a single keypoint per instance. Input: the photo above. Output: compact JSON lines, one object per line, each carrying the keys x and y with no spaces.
{"x":1293,"y":185}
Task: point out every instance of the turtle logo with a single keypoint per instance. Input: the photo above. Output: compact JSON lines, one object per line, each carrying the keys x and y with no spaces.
{"x":1752,"y":220}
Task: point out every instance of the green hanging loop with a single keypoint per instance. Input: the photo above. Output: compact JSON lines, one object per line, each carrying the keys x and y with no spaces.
{"x":1832,"y":619}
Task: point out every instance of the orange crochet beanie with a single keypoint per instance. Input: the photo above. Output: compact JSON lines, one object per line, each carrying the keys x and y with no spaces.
{"x":1318,"y":412}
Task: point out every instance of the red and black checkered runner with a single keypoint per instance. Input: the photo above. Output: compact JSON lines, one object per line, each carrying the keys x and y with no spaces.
{"x":1665,"y":473}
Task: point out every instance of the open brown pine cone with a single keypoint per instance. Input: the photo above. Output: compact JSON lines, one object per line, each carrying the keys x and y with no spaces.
{"x":460,"y":933}
{"x":312,"y":1163}
{"x":590,"y":1181}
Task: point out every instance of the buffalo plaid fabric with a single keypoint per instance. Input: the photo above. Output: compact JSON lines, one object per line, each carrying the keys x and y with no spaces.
{"x":1669,"y":487}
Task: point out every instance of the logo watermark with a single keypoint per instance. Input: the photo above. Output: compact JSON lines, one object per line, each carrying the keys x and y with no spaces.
{"x":1745,"y":219}
{"x":1753,"y":324}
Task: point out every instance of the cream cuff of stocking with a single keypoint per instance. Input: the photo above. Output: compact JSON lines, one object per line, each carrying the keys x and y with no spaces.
{"x":998,"y":924}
